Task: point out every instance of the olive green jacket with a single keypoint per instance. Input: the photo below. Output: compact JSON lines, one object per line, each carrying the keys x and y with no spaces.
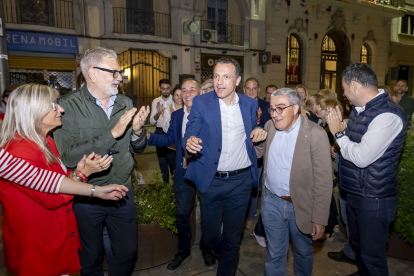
{"x":86,"y":129}
{"x":407,"y":103}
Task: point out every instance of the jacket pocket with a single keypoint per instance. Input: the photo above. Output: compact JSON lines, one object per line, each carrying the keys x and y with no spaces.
{"x":89,"y":129}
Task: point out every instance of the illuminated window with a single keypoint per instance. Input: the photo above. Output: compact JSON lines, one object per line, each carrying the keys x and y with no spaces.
{"x":366,"y":54}
{"x":293,"y":60}
{"x":328,"y":63}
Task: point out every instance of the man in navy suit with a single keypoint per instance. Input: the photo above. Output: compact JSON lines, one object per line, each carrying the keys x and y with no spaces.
{"x":221,"y":130}
{"x":184,"y":189}
{"x":252,"y":89}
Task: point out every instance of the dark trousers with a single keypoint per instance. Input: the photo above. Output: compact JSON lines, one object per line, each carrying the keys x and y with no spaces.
{"x":184,"y":191}
{"x":121,"y":220}
{"x":166,"y":158}
{"x":368,"y":222}
{"x":225,"y":203}
{"x":333,"y":217}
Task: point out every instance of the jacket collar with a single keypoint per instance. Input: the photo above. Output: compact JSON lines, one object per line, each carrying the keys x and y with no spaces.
{"x":119,"y":103}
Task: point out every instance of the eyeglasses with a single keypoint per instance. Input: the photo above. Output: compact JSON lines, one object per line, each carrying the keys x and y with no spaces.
{"x":278,"y":110}
{"x":55,"y":104}
{"x":115,"y":73}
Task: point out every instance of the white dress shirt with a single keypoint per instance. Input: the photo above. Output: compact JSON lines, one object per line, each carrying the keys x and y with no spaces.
{"x":280,"y":159}
{"x":233,"y":153}
{"x":183,"y":127}
{"x":379,"y":136}
{"x":167,"y":117}
{"x":154,"y":111}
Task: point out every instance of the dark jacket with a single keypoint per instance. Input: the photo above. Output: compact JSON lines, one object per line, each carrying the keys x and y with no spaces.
{"x":380,"y":178}
{"x":86,"y":129}
{"x":204,"y":122}
{"x":173,"y":136}
{"x":407,"y":103}
{"x":264,"y":106}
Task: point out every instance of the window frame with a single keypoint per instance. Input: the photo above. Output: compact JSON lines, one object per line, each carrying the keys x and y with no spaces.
{"x":300,"y":59}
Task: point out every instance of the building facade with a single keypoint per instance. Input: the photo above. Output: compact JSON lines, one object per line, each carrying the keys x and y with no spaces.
{"x":281,"y":42}
{"x":401,"y":59}
{"x":317,"y":39}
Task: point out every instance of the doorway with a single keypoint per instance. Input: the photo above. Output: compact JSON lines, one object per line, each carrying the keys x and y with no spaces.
{"x":335,"y":58}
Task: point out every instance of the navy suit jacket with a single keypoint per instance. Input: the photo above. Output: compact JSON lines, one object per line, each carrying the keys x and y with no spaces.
{"x":173,"y":136}
{"x":264,"y":106}
{"x":204,"y":122}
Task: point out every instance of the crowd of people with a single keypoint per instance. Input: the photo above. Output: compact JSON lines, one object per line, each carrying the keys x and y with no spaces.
{"x":268,"y":164}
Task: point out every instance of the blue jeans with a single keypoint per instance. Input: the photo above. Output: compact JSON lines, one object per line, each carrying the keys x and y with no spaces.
{"x":279,"y":221}
{"x":368,"y":220}
{"x":348,"y":251}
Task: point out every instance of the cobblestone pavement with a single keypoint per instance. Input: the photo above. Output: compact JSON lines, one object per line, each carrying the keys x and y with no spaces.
{"x":253,"y":256}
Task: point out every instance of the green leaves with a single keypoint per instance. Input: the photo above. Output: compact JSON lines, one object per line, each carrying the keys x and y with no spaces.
{"x":404,"y":221}
{"x":155,"y":201}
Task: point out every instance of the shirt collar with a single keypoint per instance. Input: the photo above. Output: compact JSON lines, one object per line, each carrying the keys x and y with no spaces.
{"x":185,"y":110}
{"x":236,"y":103}
{"x":169,"y":98}
{"x":361,"y":109}
{"x":98,"y":101}
{"x":295,"y":126}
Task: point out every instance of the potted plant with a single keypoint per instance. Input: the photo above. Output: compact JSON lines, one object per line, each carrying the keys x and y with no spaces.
{"x":155,"y":203}
{"x":401,"y":241}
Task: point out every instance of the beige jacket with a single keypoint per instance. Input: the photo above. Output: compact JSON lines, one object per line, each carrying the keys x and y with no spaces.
{"x":311,"y":174}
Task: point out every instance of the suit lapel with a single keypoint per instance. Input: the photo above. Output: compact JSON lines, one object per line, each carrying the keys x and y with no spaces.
{"x":270,"y":136}
{"x":215,"y":113}
{"x":301,"y":145}
{"x":247,"y":121}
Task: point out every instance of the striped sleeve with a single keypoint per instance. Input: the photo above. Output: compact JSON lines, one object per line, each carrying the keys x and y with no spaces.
{"x":22,"y":173}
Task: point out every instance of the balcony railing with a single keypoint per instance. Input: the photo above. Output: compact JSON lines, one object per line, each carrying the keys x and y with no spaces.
{"x":53,"y":13}
{"x":394,"y":3}
{"x":130,"y":21}
{"x":221,"y":32}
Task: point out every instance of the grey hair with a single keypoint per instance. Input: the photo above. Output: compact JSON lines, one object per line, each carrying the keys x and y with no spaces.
{"x":293,"y":95}
{"x":93,"y":57}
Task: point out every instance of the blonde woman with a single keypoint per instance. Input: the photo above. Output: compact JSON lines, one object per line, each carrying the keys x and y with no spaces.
{"x":387,"y":90}
{"x":206,"y":86}
{"x":303,"y":93}
{"x":35,"y":221}
{"x":328,"y":94}
{"x":312,"y":106}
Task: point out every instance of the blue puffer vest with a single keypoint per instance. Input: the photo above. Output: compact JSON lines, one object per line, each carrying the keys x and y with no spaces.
{"x":380,"y":178}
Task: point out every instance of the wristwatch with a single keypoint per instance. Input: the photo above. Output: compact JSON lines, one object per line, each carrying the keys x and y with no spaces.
{"x":340,"y":134}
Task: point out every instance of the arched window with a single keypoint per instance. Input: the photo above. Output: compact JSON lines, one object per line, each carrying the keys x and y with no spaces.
{"x":366,"y":54}
{"x":293,"y":60}
{"x":328,"y":63}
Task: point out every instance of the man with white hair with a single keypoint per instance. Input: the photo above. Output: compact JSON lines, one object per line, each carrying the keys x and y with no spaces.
{"x":297,"y":180}
{"x":98,"y":119}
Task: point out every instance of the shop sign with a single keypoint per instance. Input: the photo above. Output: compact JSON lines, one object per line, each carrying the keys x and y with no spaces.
{"x":41,"y":42}
{"x":276,"y":59}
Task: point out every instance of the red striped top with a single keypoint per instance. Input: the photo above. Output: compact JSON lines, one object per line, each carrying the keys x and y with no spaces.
{"x":21,"y":172}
